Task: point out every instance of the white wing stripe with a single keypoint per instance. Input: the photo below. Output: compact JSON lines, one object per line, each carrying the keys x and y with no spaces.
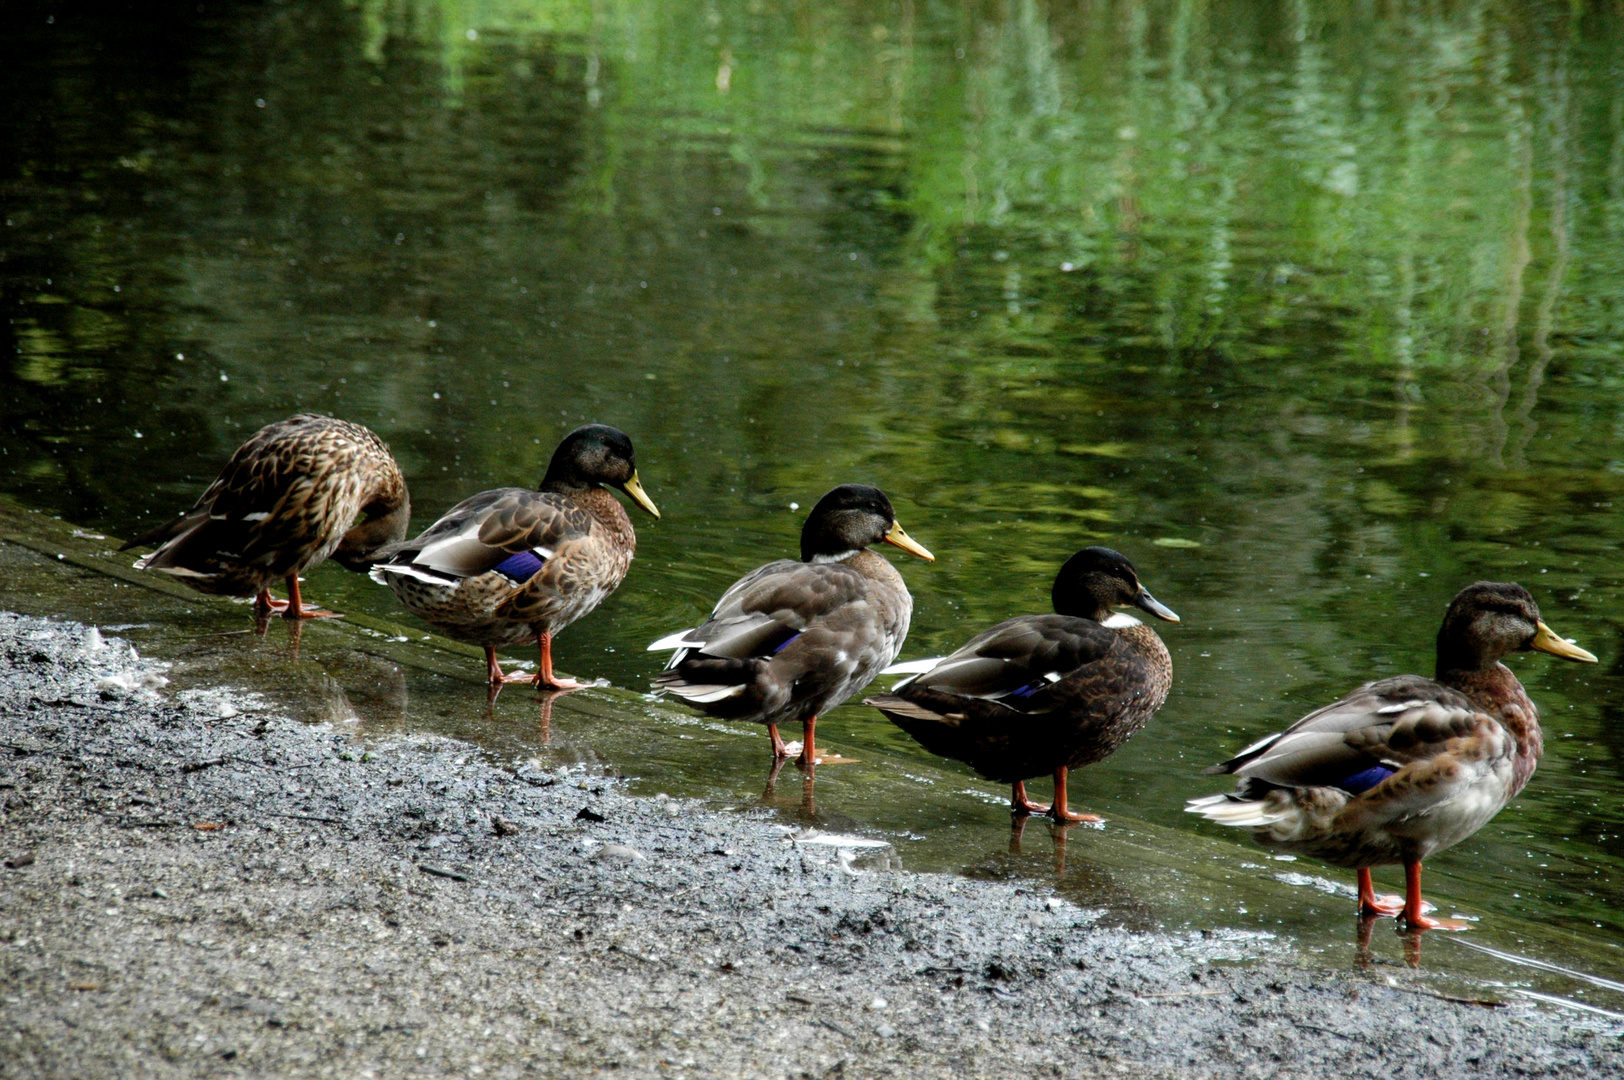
{"x":679,"y":640}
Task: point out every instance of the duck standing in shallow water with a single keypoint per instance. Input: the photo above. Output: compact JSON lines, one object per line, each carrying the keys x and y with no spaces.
{"x":1043,"y":694}
{"x":289,"y":497}
{"x":792,"y":640}
{"x":512,"y":566}
{"x":1403,"y":767}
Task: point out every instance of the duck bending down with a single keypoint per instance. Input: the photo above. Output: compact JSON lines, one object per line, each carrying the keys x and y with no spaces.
{"x":1403,"y":767}
{"x":791,"y":640}
{"x":297,"y":492}
{"x":1043,"y":694}
{"x":512,"y":566}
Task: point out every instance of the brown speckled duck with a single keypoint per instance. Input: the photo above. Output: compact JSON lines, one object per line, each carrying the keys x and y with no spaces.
{"x":300,"y":490}
{"x":1403,"y":767}
{"x":792,"y":640}
{"x":1043,"y":694}
{"x":512,"y":566}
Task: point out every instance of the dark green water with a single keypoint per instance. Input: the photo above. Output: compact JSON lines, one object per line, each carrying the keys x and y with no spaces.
{"x":1316,"y":311}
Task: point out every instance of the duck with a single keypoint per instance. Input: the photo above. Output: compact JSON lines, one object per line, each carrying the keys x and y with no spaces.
{"x":1406,"y":766}
{"x":514,"y":566}
{"x":299,"y":491}
{"x":793,"y":639}
{"x":1043,"y":694}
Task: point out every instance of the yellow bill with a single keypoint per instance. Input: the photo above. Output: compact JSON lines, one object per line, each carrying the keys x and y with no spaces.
{"x":907,"y":543}
{"x":639,"y":496}
{"x":1547,"y":641}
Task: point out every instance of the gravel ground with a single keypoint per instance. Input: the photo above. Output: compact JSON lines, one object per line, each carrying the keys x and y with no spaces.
{"x":194,"y":885}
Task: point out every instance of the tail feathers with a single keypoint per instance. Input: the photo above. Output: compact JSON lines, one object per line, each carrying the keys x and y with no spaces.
{"x":912,"y":667}
{"x":900,"y":707}
{"x":679,"y":640}
{"x":167,"y":531}
{"x":702,"y":694}
{"x":175,"y":540}
{"x":380,"y":573}
{"x":1239,"y":812}
{"x":708,"y":679}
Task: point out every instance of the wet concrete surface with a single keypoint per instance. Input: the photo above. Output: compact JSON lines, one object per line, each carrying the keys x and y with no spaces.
{"x":196,"y":884}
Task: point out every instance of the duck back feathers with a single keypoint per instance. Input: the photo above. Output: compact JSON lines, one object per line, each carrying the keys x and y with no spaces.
{"x":506,"y":565}
{"x":1404,"y":766}
{"x":1041,"y":692}
{"x":290,"y":497}
{"x":790,"y":640}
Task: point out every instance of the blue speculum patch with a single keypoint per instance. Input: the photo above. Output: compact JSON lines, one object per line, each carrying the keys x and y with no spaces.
{"x":1031,"y":688}
{"x":520,"y":567}
{"x":1361,"y":782}
{"x":780,"y":646}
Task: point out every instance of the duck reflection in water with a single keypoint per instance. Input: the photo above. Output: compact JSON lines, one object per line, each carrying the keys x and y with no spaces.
{"x":1364,"y":957}
{"x":1084,"y":881}
{"x":807,"y":810}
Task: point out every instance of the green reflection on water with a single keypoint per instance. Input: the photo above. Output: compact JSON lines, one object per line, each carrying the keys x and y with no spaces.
{"x":1335,"y":295}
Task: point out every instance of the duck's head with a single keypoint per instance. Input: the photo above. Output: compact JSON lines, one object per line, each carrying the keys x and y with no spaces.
{"x":849,"y":519}
{"x":596,"y":455}
{"x":1491,"y":619}
{"x":1097,"y":579}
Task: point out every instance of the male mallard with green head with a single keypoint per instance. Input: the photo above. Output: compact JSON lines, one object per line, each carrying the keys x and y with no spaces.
{"x":300,"y":490}
{"x":791,"y":640}
{"x":512,"y":566}
{"x":1043,"y":694}
{"x":1403,"y":767}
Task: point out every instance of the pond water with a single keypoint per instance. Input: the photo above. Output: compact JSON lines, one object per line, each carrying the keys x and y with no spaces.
{"x":1315,"y":311}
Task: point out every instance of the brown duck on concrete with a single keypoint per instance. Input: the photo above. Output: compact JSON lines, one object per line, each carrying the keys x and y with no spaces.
{"x":300,"y":490}
{"x":1043,"y":694}
{"x":513,"y":566}
{"x":791,"y":640}
{"x":1403,"y":767}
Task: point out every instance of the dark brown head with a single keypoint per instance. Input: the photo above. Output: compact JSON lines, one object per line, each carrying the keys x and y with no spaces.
{"x":383,"y":521}
{"x":596,"y":455}
{"x":849,"y":519}
{"x":1491,"y":619}
{"x":1097,"y":579}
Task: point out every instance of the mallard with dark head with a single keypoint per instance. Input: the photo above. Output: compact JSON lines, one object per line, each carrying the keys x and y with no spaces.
{"x":1044,"y":694}
{"x":299,"y":491}
{"x":1403,"y":767}
{"x":512,"y":566}
{"x":792,"y":640}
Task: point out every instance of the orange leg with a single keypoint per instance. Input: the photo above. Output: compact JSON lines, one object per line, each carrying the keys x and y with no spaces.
{"x":1020,"y":804}
{"x":493,"y":670}
{"x":1059,"y":811}
{"x":1412,"y":903}
{"x":545,"y":677}
{"x":809,"y":754}
{"x":779,"y":753}
{"x":1371,"y":904}
{"x":293,"y":607}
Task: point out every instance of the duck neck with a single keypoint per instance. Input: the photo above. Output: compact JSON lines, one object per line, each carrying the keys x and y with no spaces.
{"x":609,"y":513}
{"x":1493,"y":688}
{"x":870,"y":564}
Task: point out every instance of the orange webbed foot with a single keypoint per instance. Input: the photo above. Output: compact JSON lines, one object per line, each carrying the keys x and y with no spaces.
{"x":558,"y":682}
{"x":1386,"y":906}
{"x":1020,"y":805}
{"x":1427,"y":922}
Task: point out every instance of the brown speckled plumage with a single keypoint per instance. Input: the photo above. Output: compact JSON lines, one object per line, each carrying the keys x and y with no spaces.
{"x":1406,"y":766}
{"x":791,"y":640}
{"x":572,"y":539}
{"x":289,"y":497}
{"x":1043,"y":694}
